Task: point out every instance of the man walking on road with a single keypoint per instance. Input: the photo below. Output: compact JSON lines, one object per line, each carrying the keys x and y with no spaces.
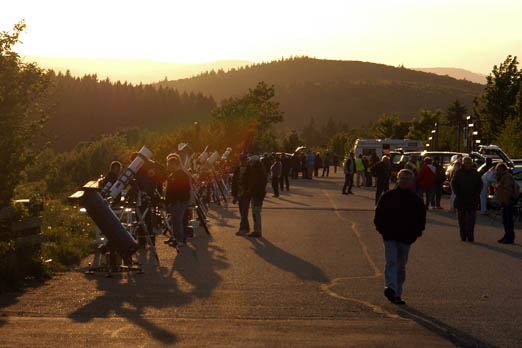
{"x":349,"y":169}
{"x":467,"y":185}
{"x":400,"y":217}
{"x":326,"y":163}
{"x":276,"y":170}
{"x":256,"y":187}
{"x":285,"y":161}
{"x":507,"y":192}
{"x":361,"y":176}
{"x":240,"y":194}
{"x":382,"y":172}
{"x":310,"y":164}
{"x":426,"y":178}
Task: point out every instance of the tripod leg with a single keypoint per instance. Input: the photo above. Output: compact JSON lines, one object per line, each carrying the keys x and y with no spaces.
{"x":202,"y":220}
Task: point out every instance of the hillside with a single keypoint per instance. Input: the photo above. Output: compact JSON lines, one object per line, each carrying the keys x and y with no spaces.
{"x":351,"y":91}
{"x":459,"y":74}
{"x":85,"y":108}
{"x":131,"y":70}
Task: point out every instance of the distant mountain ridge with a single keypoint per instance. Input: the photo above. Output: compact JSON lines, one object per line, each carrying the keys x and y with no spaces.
{"x":134,"y":71}
{"x":457,"y":73}
{"x":351,"y":91}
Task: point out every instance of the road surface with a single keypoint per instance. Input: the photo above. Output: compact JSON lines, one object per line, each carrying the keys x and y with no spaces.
{"x":314,"y":280}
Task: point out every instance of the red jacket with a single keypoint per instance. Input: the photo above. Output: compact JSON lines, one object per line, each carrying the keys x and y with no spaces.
{"x":426,"y":177}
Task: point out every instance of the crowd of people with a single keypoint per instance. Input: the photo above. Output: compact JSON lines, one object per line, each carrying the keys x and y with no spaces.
{"x":400,"y":213}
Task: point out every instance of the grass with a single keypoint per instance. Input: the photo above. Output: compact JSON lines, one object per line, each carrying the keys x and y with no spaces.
{"x":66,"y":236}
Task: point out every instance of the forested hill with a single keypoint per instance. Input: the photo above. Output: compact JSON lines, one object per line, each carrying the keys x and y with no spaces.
{"x":352,"y":91}
{"x":85,"y":108}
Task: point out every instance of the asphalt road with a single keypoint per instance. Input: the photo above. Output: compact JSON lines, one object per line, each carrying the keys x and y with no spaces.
{"x":314,"y":280}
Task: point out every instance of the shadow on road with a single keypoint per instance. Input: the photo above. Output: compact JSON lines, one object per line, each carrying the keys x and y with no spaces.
{"x":290,"y":201}
{"x":10,"y":297}
{"x":508,"y":252}
{"x":287,"y":262}
{"x":135,"y":298}
{"x":457,"y":337}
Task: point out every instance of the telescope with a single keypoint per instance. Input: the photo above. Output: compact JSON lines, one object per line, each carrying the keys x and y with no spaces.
{"x":103,"y":216}
{"x":227,"y":153}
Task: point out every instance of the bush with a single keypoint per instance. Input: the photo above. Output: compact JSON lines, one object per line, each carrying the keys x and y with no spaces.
{"x":67,"y":235}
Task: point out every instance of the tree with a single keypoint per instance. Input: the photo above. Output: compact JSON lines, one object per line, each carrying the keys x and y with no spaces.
{"x":420,"y":128}
{"x":510,"y":138}
{"x":497,"y":104}
{"x":291,"y":142}
{"x":338,"y":143}
{"x":22,"y":87}
{"x":312,"y":135}
{"x":391,"y":126}
{"x":456,"y":115}
{"x":249,"y":120}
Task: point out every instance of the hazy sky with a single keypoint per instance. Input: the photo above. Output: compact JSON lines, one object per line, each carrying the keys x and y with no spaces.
{"x":472,"y":34}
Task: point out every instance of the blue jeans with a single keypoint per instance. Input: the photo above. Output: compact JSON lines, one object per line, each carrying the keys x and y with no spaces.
{"x":507,"y":220}
{"x":396,"y":258}
{"x":244,"y":205}
{"x":177,"y":211}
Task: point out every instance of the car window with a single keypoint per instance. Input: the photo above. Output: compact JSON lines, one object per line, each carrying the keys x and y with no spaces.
{"x":518,"y":176}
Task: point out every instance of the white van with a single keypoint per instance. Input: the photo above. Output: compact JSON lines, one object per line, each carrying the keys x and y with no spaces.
{"x":380,"y":147}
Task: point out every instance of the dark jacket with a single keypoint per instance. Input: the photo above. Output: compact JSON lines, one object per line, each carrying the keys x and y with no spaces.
{"x":239,"y":182}
{"x":441,"y":175}
{"x":466,"y":185}
{"x":277,"y":169}
{"x":382,"y":172}
{"x":178,"y":188}
{"x":256,"y":181}
{"x":400,"y":216}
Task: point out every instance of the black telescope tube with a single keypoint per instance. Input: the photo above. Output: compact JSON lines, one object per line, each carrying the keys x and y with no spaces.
{"x":109,"y":224}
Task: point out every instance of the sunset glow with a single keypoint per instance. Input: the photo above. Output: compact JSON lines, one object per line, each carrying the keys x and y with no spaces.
{"x":472,"y":34}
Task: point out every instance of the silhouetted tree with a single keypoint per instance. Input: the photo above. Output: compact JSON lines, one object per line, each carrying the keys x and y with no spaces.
{"x":22,"y":88}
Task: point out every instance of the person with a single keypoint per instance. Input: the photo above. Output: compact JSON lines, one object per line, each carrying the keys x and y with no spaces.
{"x":256,"y":189}
{"x":295,"y":164}
{"x":349,"y":170}
{"x":318,"y":164}
{"x":240,"y":193}
{"x":177,"y":196}
{"x":303,"y":166}
{"x":466,"y":184}
{"x":359,"y":167}
{"x":276,"y":172}
{"x":457,"y":164}
{"x":413,"y":164}
{"x":285,"y":162}
{"x":367,"y":171}
{"x":267,"y":161}
{"x":373,"y":161}
{"x":382,"y":172}
{"x":439,"y":182}
{"x":426,"y":180}
{"x":310,"y":163}
{"x":487,"y":166}
{"x":335,"y":162}
{"x":326,"y":163}
{"x":400,"y":217}
{"x":113,"y":174}
{"x":486,"y":181}
{"x":488,"y":178}
{"x":507,"y":192}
